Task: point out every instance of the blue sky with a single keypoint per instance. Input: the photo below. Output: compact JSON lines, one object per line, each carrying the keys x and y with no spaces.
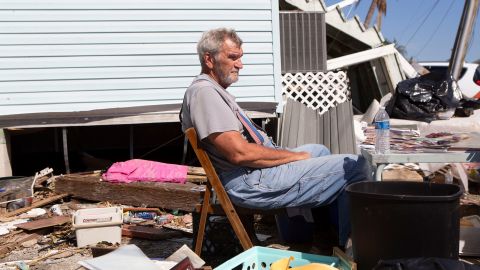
{"x":432,"y":41}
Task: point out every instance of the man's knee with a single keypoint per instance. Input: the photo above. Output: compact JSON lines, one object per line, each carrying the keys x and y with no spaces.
{"x":319,"y":150}
{"x":315,"y":150}
{"x":357,"y":168}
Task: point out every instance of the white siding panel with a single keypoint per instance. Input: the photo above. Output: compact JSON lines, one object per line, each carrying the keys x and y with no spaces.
{"x":138,"y":4}
{"x":79,"y":107}
{"x":123,"y":38}
{"x":114,"y":49}
{"x":117,"y":73}
{"x":115,"y":95}
{"x":126,"y":26}
{"x":132,"y":15}
{"x":120,"y":84}
{"x":119,"y":61}
{"x":78,"y":55}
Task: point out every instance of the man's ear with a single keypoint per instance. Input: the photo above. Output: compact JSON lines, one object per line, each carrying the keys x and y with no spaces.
{"x":209,"y":60}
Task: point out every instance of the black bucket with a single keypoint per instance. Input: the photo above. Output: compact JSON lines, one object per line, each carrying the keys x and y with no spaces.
{"x":395,"y":220}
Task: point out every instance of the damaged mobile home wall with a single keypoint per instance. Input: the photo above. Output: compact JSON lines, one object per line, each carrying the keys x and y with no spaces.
{"x":105,"y":55}
{"x":370,"y":78}
{"x":318,"y":108}
{"x":115,"y":62}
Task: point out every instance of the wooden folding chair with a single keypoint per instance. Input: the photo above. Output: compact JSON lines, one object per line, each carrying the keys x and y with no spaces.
{"x":222,"y":196}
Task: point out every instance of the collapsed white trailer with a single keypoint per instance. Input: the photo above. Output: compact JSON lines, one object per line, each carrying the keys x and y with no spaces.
{"x":110,"y":62}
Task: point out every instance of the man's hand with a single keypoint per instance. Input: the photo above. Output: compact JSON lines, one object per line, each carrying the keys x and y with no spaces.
{"x":238,"y":151}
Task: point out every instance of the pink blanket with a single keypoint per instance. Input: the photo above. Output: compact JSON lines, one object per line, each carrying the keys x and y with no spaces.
{"x":139,"y":170}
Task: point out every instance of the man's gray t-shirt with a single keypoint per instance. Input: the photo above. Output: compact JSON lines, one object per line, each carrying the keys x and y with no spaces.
{"x":209,"y":112}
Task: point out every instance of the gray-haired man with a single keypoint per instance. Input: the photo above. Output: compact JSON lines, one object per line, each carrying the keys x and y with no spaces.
{"x":254,"y":172}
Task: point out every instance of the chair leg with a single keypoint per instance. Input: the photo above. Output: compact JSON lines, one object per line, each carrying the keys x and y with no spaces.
{"x":203,"y":220}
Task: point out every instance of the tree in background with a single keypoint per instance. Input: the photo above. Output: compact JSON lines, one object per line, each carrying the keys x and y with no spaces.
{"x":381,"y":7}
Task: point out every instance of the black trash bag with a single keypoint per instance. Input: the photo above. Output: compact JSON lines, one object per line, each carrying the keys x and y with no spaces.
{"x":423,"y":97}
{"x":466,"y":107}
{"x":424,"y":264}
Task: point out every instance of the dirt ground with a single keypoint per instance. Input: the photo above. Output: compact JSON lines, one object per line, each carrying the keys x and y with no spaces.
{"x":68,"y":260}
{"x":322,"y":241}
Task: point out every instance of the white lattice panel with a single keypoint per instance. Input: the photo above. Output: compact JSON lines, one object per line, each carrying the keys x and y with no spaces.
{"x":319,"y":90}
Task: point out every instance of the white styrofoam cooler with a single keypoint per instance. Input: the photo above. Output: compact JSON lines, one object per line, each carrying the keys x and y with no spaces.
{"x":95,"y":225}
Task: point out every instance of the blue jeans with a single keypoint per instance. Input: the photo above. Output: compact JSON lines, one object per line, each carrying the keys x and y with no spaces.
{"x":306,"y":183}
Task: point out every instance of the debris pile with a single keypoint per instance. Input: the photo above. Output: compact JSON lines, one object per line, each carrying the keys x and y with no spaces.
{"x":47,"y":218}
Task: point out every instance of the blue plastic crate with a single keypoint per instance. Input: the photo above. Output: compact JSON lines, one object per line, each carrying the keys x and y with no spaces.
{"x":260,"y":258}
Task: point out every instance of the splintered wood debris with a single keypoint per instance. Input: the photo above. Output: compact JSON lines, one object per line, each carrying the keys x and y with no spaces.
{"x":151,"y":211}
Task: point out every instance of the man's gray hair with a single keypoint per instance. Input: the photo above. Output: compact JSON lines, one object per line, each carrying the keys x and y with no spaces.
{"x":212,"y":41}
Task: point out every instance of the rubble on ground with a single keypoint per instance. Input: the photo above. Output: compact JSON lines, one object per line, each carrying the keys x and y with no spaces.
{"x":39,"y":233}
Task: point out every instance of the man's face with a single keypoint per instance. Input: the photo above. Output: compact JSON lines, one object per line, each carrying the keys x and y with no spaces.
{"x":227,"y":64}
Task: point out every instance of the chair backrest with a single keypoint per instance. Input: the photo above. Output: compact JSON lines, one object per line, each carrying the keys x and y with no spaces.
{"x":222,"y":196}
{"x":203,"y":158}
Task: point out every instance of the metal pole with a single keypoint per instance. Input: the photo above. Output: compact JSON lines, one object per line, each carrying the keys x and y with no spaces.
{"x":65,"y":149}
{"x":464,"y":34}
{"x":5,"y":165}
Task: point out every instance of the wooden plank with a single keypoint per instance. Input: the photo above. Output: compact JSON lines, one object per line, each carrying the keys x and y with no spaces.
{"x":34,"y":205}
{"x":194,"y":174}
{"x":196,"y":170}
{"x":149,"y":194}
{"x":197,"y":179}
{"x":19,"y":239}
{"x":146,"y":232}
{"x":44,"y":223}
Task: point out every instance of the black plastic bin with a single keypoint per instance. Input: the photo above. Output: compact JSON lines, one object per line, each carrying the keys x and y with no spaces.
{"x":394,"y":220}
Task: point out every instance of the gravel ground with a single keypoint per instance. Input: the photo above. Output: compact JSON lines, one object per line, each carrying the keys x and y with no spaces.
{"x":323,"y":241}
{"x":162,"y":248}
{"x":66,"y":260}
{"x":69,"y":258}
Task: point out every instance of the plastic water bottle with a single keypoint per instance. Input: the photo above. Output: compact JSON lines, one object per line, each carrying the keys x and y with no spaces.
{"x":382,"y":132}
{"x":449,"y":177}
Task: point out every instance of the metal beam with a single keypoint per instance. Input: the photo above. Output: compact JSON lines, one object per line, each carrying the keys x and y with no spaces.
{"x":65,"y":150}
{"x":464,"y":35}
{"x":5,"y":166}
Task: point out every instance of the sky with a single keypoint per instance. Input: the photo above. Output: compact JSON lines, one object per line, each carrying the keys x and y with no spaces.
{"x":427,"y":28}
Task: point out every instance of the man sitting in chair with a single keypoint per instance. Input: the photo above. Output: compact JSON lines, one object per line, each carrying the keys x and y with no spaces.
{"x":256,"y":173}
